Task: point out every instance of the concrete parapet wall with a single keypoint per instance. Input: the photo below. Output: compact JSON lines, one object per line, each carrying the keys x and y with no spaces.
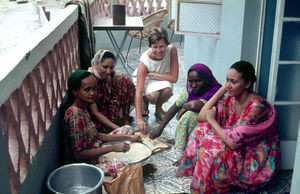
{"x":37,"y":84}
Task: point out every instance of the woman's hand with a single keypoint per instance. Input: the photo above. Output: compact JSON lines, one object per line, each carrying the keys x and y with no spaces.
{"x":118,"y":77}
{"x":211,"y":114}
{"x":181,"y":112}
{"x":224,"y":88}
{"x":150,"y":75}
{"x":121,"y":147}
{"x":135,"y":138}
{"x":156,"y":133}
{"x":91,"y":69}
{"x":141,"y":125}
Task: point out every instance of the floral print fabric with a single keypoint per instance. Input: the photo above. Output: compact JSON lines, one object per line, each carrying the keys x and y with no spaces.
{"x":114,"y":100}
{"x":81,"y":134}
{"x":215,"y":167}
{"x":186,"y":124}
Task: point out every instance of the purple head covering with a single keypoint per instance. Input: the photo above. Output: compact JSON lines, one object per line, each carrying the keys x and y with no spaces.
{"x":212,"y":85}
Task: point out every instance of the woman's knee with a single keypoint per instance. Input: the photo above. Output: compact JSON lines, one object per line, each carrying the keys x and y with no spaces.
{"x":167,"y":92}
{"x":152,"y":97}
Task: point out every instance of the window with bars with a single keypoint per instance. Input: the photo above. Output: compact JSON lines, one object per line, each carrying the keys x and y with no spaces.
{"x":201,"y":18}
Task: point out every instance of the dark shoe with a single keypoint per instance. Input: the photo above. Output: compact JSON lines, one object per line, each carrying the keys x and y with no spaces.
{"x":149,"y":168}
{"x":171,"y":141}
{"x":145,"y":109}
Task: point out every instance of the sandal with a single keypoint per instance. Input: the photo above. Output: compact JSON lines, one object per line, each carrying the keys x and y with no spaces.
{"x":176,"y":163}
{"x":160,"y":116}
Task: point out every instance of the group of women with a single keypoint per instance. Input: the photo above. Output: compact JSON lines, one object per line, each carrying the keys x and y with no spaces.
{"x":228,"y":133}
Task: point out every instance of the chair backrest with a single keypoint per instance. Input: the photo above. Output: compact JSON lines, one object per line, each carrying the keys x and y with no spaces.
{"x":153,"y":20}
{"x":171,"y":24}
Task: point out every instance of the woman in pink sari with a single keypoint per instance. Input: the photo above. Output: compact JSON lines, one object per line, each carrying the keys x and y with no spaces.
{"x":236,"y":141}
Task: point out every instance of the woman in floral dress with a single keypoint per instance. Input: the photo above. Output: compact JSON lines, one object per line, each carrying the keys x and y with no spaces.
{"x":236,"y":141}
{"x":83,"y":143}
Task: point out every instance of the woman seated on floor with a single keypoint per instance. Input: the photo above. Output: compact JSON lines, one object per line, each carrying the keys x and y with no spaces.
{"x":236,"y":141}
{"x":82,"y":141}
{"x":115,"y":94}
{"x":155,"y":75}
{"x":200,"y":87}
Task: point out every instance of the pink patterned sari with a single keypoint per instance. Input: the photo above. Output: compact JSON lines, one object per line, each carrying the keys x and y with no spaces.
{"x":215,"y":167}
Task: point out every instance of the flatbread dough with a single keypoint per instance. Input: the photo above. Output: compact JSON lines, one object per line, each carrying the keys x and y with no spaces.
{"x":137,"y":153}
{"x":156,"y":145}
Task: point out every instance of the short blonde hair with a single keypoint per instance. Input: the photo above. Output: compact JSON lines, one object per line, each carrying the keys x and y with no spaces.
{"x":157,"y":33}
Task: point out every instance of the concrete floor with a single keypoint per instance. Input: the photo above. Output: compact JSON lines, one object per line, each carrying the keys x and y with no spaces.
{"x":23,"y":20}
{"x":165,"y":179}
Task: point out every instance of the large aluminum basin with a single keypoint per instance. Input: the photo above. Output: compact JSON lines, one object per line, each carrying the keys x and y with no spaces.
{"x":76,"y":178}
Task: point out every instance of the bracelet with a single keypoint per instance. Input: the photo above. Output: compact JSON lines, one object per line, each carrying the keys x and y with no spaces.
{"x":151,"y":75}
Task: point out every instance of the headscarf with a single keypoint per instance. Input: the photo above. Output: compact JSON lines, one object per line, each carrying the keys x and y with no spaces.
{"x":97,"y":60}
{"x":212,"y":85}
{"x":74,"y":80}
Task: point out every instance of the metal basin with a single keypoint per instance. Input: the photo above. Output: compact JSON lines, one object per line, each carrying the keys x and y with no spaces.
{"x":76,"y":178}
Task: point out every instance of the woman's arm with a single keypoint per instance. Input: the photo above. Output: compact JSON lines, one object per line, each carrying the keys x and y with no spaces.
{"x":211,"y":119}
{"x":194,"y":105}
{"x":109,"y":137}
{"x":120,"y":147}
{"x":211,"y":103}
{"x":92,"y":153}
{"x":141,"y":76}
{"x":169,"y":115}
{"x":100,"y":117}
{"x":172,"y":76}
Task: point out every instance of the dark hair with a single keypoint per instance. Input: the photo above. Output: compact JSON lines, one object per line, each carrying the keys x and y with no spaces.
{"x":75,"y":85}
{"x":156,"y":34}
{"x":246,"y":69}
{"x":70,"y":98}
{"x":193,"y":70}
{"x":108,"y":55}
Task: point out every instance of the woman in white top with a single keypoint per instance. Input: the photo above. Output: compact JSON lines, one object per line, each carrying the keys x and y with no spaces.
{"x":155,"y":75}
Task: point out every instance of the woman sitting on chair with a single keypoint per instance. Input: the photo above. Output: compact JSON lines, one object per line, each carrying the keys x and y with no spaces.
{"x":115,"y":94}
{"x":236,"y":141}
{"x":155,"y":75}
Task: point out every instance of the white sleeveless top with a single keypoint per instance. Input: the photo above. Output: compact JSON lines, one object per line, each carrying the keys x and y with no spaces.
{"x":161,"y":66}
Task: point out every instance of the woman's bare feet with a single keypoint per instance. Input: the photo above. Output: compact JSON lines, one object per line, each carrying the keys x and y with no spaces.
{"x":171,"y":141}
{"x":159,"y":114}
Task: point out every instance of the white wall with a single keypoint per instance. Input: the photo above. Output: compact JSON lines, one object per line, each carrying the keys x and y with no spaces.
{"x":219,"y":53}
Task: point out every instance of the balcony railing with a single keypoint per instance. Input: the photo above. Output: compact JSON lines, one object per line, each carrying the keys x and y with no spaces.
{"x":27,"y":112}
{"x":37,"y":84}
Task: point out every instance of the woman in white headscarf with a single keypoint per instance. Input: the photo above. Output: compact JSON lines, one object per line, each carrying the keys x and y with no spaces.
{"x":115,"y":93}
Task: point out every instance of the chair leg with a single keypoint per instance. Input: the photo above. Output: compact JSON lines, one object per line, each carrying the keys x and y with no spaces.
{"x":172,"y":36}
{"x":181,"y":37}
{"x":129,"y":47}
{"x":140,"y":46}
{"x":141,"y":42}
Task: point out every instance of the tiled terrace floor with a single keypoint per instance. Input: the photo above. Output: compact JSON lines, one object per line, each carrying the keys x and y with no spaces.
{"x":165,"y":179}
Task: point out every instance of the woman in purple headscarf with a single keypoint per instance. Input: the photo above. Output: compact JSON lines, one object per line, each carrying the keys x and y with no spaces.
{"x":200,"y":87}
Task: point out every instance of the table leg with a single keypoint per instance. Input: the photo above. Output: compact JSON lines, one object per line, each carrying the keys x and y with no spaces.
{"x":118,"y":49}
